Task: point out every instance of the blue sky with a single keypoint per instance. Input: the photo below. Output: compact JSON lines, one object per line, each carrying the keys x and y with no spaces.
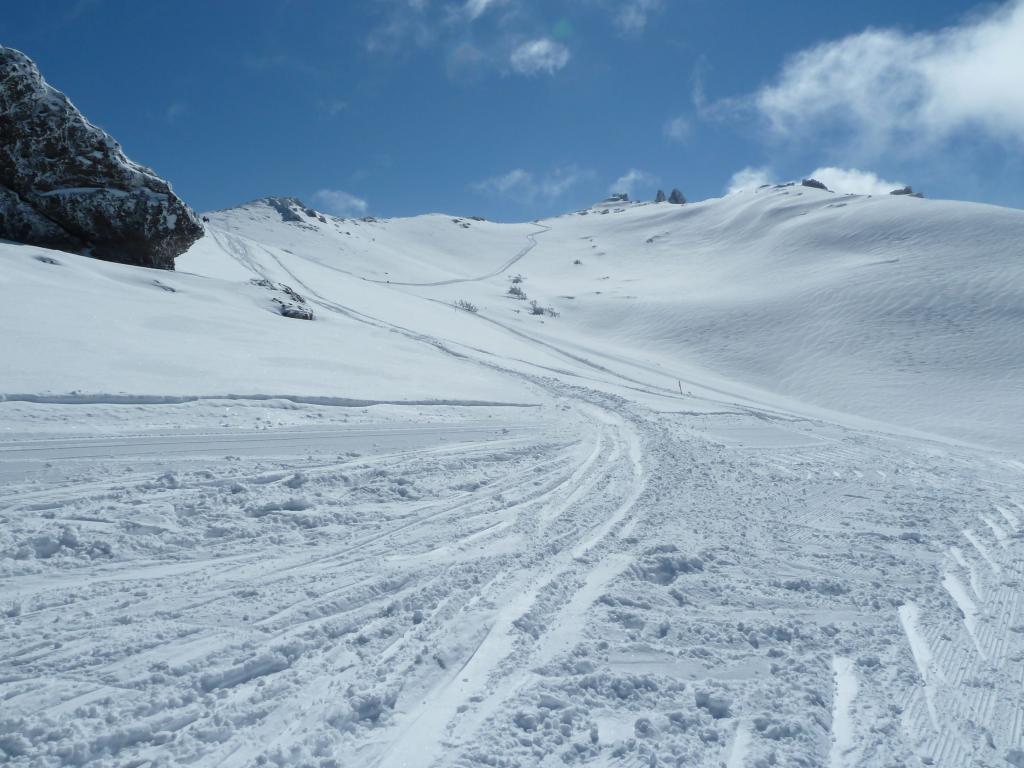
{"x":513,"y":109}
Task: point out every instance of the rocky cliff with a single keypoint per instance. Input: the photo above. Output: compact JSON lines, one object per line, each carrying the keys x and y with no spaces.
{"x":66,"y":184}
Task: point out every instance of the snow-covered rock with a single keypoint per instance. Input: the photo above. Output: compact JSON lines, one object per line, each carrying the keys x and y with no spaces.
{"x":66,"y":184}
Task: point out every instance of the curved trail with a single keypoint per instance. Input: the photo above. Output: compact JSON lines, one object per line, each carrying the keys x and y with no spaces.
{"x":500,"y":270}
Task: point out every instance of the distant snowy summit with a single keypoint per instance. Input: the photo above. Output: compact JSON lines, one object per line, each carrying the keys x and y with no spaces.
{"x":66,"y":184}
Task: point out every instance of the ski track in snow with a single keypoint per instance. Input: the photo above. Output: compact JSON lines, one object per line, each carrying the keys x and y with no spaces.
{"x":590,"y":581}
{"x":843,"y":737}
{"x":604,"y":584}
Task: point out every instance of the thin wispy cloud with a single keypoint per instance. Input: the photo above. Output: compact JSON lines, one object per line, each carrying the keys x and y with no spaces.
{"x":487,"y":37}
{"x":884,"y":89}
{"x":524,"y":186}
{"x":631,"y":16}
{"x":466,"y":63}
{"x":339,"y":203}
{"x":747,"y":179}
{"x":516,"y":179}
{"x":474,"y":9}
{"x":854,"y":181}
{"x":176,"y":110}
{"x":632,"y":179}
{"x":405,"y":23}
{"x":678,"y":129}
{"x":539,"y":57}
{"x":332,"y":107}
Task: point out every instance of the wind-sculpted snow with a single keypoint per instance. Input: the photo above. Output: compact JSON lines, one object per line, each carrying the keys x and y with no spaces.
{"x":66,"y":184}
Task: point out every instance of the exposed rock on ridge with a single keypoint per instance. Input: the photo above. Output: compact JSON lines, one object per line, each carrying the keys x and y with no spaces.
{"x":66,"y":184}
{"x":908,"y":191}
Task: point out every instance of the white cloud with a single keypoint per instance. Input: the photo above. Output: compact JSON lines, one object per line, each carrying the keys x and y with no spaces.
{"x":678,"y":129}
{"x":525,"y":187}
{"x":543,"y":56}
{"x":332,"y":107}
{"x":749,"y":178}
{"x":854,"y":181}
{"x":561,"y":180}
{"x":629,"y":181}
{"x":632,"y":14}
{"x":846,"y":180}
{"x":517,"y":179}
{"x":339,"y":202}
{"x":474,"y":9}
{"x":887,"y":87}
{"x":407,"y":23}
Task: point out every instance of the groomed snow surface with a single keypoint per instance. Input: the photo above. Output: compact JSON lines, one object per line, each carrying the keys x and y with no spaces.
{"x":751,"y":495}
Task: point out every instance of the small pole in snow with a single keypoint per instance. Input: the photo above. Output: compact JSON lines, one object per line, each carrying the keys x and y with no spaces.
{"x":680,"y":383}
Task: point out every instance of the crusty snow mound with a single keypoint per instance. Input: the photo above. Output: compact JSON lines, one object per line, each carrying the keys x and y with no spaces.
{"x":66,"y":184}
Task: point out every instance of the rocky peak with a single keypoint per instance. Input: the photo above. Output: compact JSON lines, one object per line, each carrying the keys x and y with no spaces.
{"x":814,"y":184}
{"x":908,"y":191}
{"x":291,"y":209}
{"x":677,"y":197}
{"x":66,"y":184}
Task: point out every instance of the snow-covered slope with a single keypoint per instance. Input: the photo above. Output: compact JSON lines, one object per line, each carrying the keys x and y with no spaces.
{"x":896,"y":310}
{"x":717,"y":538}
{"x":890,"y":311}
{"x":76,"y":325}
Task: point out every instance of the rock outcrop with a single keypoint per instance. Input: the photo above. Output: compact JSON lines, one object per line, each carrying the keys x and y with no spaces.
{"x":908,"y":191}
{"x":286,"y":300}
{"x":814,"y":184}
{"x":677,"y":197}
{"x":66,"y":184}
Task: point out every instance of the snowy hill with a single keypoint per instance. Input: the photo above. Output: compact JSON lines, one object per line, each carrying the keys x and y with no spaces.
{"x":763,"y":505}
{"x":896,"y":310}
{"x":101,"y":330}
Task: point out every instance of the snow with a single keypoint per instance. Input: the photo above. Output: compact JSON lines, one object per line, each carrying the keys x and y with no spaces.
{"x":117,"y":330}
{"x":753,"y":497}
{"x":843,"y":738}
